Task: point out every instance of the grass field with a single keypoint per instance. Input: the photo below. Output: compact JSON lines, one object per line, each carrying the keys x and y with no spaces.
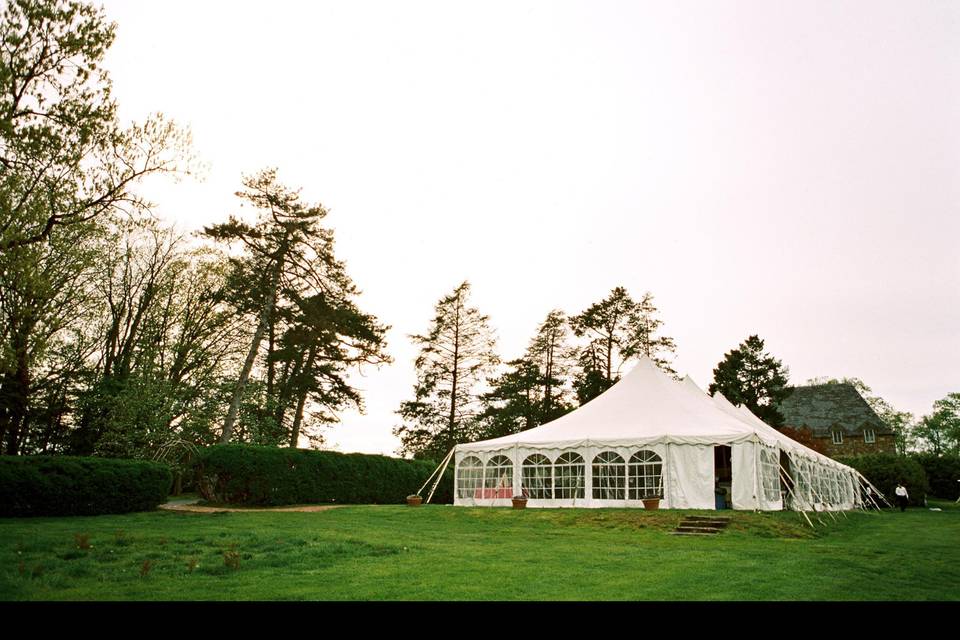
{"x":448,"y":553}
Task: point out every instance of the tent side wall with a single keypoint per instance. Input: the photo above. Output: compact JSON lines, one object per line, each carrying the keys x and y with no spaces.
{"x":686,"y":476}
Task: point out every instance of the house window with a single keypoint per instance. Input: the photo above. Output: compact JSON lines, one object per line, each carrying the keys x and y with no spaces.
{"x":869,"y":436}
{"x":838,"y":437}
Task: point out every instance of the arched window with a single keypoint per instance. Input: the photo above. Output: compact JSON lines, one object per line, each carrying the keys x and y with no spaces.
{"x":470,"y":478}
{"x":770,"y":474}
{"x":568,"y":476}
{"x":644,"y":476}
{"x":537,"y":477}
{"x":609,"y":476}
{"x":498,"y":480}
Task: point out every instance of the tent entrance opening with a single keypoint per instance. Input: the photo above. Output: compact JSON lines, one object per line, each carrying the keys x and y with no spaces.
{"x":722,"y":476}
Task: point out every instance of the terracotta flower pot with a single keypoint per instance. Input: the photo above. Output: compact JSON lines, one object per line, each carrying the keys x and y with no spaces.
{"x":520,"y":503}
{"x":414,"y":501}
{"x":651,"y":504}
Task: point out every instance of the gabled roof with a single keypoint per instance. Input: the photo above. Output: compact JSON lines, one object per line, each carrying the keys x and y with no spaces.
{"x":824,"y":408}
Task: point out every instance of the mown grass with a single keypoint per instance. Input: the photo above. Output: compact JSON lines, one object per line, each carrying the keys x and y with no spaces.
{"x":442,"y":552}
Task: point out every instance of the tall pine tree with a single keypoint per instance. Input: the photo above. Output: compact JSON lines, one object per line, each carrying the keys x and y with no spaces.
{"x":289,"y":281}
{"x":748,"y":376}
{"x":456,"y":354}
{"x":618,"y":329}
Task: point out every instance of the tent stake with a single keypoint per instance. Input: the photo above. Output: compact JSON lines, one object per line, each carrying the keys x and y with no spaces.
{"x":446,"y":461}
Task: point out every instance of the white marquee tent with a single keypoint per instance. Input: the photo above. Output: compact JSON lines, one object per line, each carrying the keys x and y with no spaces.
{"x":651,"y":436}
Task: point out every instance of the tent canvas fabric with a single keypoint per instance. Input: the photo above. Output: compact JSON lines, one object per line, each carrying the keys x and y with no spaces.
{"x":649,"y":435}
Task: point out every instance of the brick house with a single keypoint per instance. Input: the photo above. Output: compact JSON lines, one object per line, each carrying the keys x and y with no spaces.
{"x":838,"y":415}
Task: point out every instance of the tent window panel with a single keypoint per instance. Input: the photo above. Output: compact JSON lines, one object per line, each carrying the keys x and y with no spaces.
{"x":645,"y":476}
{"x":498,"y":479}
{"x":568,"y":477}
{"x":609,"y":476}
{"x":537,"y":477}
{"x":769,"y":469}
{"x":470,"y":478}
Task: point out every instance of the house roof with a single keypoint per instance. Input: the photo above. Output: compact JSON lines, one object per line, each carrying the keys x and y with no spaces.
{"x":824,"y":408}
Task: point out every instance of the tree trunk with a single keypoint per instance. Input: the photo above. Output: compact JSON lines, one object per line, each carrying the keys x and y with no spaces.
{"x":456,"y":370}
{"x":251,"y":358}
{"x":17,"y":391}
{"x":301,"y":401}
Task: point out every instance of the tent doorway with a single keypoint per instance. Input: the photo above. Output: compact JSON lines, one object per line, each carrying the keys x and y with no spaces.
{"x":722,"y":476}
{"x":786,"y":480}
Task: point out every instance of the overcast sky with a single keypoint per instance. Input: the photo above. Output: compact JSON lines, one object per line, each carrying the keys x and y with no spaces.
{"x":790,"y":170}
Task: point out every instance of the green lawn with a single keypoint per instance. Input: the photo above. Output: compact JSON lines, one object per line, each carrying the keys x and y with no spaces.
{"x":443,"y":552}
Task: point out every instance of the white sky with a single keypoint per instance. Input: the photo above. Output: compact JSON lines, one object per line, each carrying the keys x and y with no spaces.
{"x":785,"y":169}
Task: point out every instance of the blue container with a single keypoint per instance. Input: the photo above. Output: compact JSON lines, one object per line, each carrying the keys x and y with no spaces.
{"x":721,"y":501}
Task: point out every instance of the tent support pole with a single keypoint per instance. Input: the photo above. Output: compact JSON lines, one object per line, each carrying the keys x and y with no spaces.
{"x":879,"y":493}
{"x":784,"y":476}
{"x":866,"y":505}
{"x":419,"y":491}
{"x":446,"y":461}
{"x":819,"y":497}
{"x":873,"y":491}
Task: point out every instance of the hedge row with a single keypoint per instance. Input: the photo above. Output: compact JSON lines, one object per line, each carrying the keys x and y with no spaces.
{"x":69,"y":486}
{"x":943,"y":474}
{"x":246,"y":474}
{"x":886,"y":470}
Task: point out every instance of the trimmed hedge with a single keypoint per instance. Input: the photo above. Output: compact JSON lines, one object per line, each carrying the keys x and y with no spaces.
{"x":73,"y":486}
{"x":271,"y":476}
{"x":885,"y":470}
{"x":943,"y":473}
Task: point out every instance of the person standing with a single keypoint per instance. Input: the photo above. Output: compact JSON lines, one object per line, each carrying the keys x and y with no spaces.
{"x":902,"y":496}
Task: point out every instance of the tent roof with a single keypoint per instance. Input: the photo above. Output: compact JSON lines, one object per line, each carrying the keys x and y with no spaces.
{"x":645,"y":406}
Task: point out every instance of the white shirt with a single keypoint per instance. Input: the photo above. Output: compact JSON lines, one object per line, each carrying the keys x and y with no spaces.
{"x":902,"y":491}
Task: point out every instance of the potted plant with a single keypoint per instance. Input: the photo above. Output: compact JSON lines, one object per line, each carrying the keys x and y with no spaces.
{"x":414,"y":501}
{"x":519,"y":502}
{"x":651,"y":504}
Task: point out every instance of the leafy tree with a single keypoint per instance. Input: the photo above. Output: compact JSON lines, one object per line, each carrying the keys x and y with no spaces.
{"x":749,"y":376}
{"x":289,"y":280}
{"x":165,"y":341}
{"x":44,"y":300}
{"x":455,"y":355}
{"x":939,"y":432}
{"x":65,"y":158}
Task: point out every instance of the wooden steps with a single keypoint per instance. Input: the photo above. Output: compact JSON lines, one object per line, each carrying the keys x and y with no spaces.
{"x":701,"y":526}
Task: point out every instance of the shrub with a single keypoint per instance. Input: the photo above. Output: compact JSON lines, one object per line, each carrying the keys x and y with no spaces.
{"x":943,"y":473}
{"x":246,"y":474}
{"x":885,"y":470}
{"x":69,"y":486}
